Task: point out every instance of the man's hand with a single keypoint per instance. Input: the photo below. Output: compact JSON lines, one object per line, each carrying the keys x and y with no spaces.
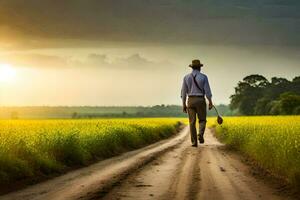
{"x":184,"y":108}
{"x":210,"y":105}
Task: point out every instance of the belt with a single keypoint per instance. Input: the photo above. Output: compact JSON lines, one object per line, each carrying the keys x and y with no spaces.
{"x":201,"y":96}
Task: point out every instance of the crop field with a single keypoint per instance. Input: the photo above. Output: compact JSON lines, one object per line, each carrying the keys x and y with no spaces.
{"x":35,"y":148}
{"x":274,"y":142}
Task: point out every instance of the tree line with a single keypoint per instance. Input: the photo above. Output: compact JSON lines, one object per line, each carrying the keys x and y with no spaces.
{"x":256,"y":95}
{"x":78,"y":112}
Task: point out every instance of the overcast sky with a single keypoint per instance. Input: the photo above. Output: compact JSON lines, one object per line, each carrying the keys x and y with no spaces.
{"x":136,"y":52}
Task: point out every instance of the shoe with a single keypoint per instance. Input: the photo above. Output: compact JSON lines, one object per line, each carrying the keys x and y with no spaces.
{"x":201,"y":139}
{"x":194,"y":145}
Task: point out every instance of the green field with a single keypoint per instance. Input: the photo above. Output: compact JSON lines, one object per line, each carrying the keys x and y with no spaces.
{"x":273,"y":142}
{"x":37,"y":148}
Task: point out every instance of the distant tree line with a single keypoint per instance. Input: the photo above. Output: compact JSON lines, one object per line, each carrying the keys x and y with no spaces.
{"x":153,"y":111}
{"x":79,"y":112}
{"x":255,"y":95}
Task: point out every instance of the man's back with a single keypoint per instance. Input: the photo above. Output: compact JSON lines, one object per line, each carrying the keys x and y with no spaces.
{"x":190,"y":88}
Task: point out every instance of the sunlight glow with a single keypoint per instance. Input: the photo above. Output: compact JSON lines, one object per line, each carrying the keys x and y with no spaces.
{"x":7,"y":73}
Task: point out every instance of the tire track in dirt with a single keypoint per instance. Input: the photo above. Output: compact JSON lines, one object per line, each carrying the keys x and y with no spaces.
{"x":186,"y":179}
{"x":146,"y":183}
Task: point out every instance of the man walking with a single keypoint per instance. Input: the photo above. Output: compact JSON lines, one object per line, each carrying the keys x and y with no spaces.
{"x":196,"y":86}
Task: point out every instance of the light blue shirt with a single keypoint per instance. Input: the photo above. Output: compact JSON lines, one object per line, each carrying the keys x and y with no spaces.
{"x":189,"y":88}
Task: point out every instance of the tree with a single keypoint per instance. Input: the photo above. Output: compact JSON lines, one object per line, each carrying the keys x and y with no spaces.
{"x":75,"y":115}
{"x":275,"y":108}
{"x":247,"y":94}
{"x":277,"y":87}
{"x":289,"y":102}
{"x":256,"y":80}
{"x":297,"y":111}
{"x":262,"y":106}
{"x":255,"y":95}
{"x":296,"y":79}
{"x":296,"y":85}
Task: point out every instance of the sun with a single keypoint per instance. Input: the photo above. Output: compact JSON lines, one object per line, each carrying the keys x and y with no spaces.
{"x":7,"y":73}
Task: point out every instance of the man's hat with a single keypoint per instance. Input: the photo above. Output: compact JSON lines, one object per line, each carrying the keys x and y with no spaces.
{"x":196,"y":63}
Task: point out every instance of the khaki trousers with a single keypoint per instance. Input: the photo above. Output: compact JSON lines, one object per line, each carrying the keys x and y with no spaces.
{"x":196,"y":108}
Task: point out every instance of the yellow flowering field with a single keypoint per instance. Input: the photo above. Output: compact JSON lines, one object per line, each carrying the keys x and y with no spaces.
{"x":273,"y":141}
{"x":30,"y":148}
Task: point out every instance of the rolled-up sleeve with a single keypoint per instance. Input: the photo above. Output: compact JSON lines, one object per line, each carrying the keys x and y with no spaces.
{"x":207,"y":89}
{"x":183,"y":91}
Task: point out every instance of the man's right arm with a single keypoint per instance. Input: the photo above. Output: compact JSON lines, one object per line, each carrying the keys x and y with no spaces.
{"x":184,"y":94}
{"x":208,"y":93}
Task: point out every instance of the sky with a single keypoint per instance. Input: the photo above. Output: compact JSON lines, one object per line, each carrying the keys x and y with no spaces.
{"x":136,"y":52}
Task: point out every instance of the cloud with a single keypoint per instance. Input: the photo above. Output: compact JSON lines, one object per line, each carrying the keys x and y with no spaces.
{"x":38,"y":24}
{"x":137,"y":61}
{"x":134,"y":61}
{"x":96,"y":59}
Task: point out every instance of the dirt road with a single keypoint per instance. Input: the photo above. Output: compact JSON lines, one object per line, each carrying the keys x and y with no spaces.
{"x":170,"y":169}
{"x":206,"y":172}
